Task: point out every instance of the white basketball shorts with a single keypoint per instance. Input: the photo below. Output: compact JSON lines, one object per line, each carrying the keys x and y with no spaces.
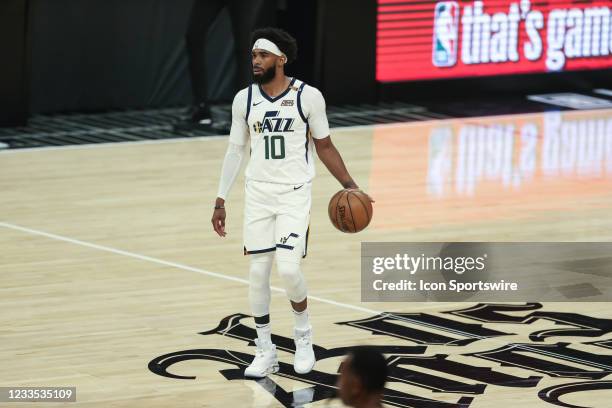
{"x":276,"y":218}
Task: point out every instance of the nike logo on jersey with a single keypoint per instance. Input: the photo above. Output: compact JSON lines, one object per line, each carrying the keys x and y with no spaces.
{"x":255,"y":104}
{"x":297,"y":188}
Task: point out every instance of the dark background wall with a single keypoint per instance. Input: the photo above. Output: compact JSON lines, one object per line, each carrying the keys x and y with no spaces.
{"x":346,"y":50}
{"x":102,"y":54}
{"x":106,"y":54}
{"x":96,"y":55}
{"x":14,"y":65}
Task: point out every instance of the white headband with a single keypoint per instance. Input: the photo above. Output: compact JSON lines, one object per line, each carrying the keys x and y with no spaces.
{"x":267,"y":45}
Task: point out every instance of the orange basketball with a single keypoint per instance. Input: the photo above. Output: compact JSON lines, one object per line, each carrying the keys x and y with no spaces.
{"x":350,"y":211}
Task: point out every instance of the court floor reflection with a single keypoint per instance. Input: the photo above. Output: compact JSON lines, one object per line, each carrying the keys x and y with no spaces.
{"x":492,"y":167}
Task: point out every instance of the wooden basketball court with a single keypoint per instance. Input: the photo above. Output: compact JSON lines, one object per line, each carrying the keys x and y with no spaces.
{"x":113,"y":281}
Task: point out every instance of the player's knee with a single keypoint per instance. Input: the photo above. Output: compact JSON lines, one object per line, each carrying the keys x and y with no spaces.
{"x":259,"y":283}
{"x":293,"y":280}
{"x":288,"y":270}
{"x":259,"y":271}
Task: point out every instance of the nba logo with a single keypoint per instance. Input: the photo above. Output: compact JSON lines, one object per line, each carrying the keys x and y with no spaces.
{"x":445,"y":34}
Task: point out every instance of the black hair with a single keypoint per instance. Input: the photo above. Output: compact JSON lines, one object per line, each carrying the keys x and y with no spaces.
{"x":370,"y":366}
{"x":283,"y":40}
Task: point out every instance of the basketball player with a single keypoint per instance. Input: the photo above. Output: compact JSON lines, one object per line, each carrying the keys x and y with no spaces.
{"x":282,"y":117}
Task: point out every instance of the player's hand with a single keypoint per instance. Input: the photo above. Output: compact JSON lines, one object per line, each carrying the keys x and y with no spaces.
{"x":361,"y":191}
{"x":218,"y":222}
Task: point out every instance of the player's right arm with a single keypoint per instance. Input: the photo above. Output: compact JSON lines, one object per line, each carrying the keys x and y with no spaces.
{"x":238,"y":138}
{"x":319,"y":130}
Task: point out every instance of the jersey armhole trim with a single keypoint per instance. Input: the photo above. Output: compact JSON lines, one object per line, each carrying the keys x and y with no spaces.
{"x":306,"y":142}
{"x":299,"y":103}
{"x":248,"y":109}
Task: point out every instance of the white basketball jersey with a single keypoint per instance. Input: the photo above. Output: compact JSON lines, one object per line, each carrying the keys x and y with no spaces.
{"x":281,"y":145}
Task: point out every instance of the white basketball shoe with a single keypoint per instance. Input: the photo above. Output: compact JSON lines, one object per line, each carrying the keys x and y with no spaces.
{"x":265,"y":361}
{"x":304,"y":359}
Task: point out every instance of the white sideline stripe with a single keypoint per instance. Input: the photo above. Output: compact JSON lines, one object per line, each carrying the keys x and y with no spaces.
{"x":169,"y":263}
{"x":276,"y":289}
{"x":240,"y":280}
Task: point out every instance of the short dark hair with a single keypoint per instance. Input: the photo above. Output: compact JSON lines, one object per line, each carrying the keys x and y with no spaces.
{"x":370,"y":366}
{"x":285,"y":42}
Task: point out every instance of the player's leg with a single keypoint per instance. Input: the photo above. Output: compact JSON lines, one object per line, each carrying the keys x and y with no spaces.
{"x":295,"y":285}
{"x":259,"y":244}
{"x":259,"y":294}
{"x":246,"y":16}
{"x":291,"y":233}
{"x":203,"y":14}
{"x":266,"y":360}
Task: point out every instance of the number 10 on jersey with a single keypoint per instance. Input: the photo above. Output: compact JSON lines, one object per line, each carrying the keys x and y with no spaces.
{"x":275,"y":147}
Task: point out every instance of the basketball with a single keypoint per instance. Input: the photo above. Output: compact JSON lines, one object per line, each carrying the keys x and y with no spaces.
{"x":350,"y":210}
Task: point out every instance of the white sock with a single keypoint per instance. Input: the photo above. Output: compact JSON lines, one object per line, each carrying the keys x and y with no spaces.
{"x":301,"y":320}
{"x":264,"y":334}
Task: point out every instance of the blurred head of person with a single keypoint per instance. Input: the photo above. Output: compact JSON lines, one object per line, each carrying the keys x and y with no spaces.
{"x":267,"y":65}
{"x":363,"y":375}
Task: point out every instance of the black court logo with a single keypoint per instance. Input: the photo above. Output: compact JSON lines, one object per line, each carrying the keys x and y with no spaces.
{"x":413,"y":365}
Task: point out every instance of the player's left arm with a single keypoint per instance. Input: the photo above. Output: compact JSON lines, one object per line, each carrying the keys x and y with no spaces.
{"x":330,"y":156}
{"x":327,"y":152}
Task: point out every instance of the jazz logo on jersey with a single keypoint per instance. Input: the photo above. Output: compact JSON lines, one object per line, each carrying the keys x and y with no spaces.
{"x":445,"y":35}
{"x":272,"y":123}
